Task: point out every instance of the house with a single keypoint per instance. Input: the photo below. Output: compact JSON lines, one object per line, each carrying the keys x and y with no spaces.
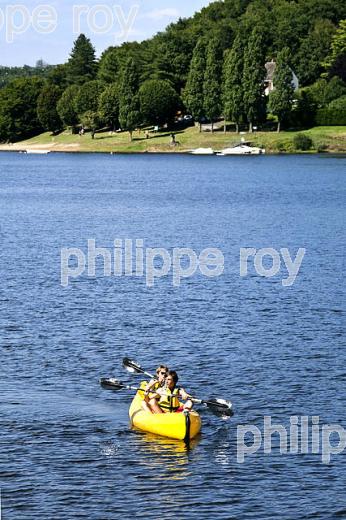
{"x":269,"y":85}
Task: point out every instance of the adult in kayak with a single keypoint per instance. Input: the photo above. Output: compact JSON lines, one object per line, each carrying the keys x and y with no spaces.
{"x":167,"y":398}
{"x":150,"y":396}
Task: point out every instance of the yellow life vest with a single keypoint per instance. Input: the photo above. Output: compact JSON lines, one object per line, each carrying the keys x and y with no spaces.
{"x":169,"y":402}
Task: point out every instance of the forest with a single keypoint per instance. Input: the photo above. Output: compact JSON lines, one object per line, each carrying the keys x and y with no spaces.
{"x":210,"y":66}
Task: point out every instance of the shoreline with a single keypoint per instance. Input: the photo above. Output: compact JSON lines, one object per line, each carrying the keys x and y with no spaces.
{"x":325,"y":140}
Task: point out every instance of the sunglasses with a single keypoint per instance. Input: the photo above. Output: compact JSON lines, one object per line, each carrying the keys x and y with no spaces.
{"x":163,"y":373}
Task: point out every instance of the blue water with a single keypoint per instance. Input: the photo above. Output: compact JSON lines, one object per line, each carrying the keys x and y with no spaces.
{"x":67,"y":449}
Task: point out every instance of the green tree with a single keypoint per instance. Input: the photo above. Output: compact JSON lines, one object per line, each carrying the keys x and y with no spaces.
{"x":47,"y":108}
{"x":232,"y":85}
{"x":212,"y":82}
{"x":58,"y":76}
{"x":109,"y":67}
{"x":323,"y":92}
{"x":82,"y":65}
{"x":109,"y":105}
{"x":18,"y":109}
{"x":88,"y":96}
{"x":253,"y":78}
{"x":66,"y":107}
{"x":159,"y":102}
{"x":336,"y":61}
{"x":91,"y":120}
{"x":313,"y":51}
{"x":281,"y":98}
{"x":129,"y":109}
{"x":193,"y":94}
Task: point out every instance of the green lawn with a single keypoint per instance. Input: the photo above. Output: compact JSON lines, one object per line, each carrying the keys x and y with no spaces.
{"x":331,"y":139}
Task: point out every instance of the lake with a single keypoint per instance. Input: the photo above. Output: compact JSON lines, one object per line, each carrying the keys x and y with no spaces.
{"x":67,"y":449}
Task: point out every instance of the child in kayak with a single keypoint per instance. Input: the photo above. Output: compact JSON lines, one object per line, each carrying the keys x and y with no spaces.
{"x":153,"y":386}
{"x":167,"y":398}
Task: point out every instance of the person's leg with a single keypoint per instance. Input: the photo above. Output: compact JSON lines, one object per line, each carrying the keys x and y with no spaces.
{"x":154,"y":406}
{"x":145,"y":406}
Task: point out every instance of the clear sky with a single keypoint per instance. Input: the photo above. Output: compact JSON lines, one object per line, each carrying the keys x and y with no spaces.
{"x":34,"y":29}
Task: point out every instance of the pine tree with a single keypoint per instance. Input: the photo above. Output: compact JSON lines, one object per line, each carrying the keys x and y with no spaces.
{"x":82,"y":65}
{"x":109,"y":68}
{"x":212,"y":82}
{"x":253,"y":78}
{"x":193,"y":96}
{"x":129,"y":110}
{"x":232,"y":87}
{"x":281,"y":98}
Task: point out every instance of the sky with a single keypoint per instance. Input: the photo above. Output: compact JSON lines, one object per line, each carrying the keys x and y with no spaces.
{"x":39,"y":29}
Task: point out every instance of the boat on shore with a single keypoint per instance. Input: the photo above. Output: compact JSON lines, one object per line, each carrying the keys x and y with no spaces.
{"x":179,"y":425}
{"x":242,"y":149}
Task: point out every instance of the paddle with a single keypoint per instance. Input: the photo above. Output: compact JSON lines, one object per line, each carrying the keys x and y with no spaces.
{"x":218,"y":406}
{"x":134,"y":368}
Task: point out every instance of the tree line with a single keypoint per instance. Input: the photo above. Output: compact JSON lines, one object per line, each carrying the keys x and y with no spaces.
{"x":211,"y":66}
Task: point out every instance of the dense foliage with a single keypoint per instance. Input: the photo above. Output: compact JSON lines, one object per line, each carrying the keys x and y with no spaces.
{"x":210,"y":65}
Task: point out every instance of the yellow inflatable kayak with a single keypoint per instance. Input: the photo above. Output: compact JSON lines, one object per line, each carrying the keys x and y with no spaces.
{"x":181,"y":426}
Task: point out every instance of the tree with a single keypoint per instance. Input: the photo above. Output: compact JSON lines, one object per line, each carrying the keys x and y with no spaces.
{"x":82,"y":62}
{"x":91,"y":120}
{"x":58,"y":76}
{"x":336,"y":61}
{"x":129,"y":110}
{"x":253,"y":79}
{"x":66,"y":106}
{"x":232,"y":87}
{"x":18,"y":109}
{"x":109,"y":68}
{"x":281,"y":98}
{"x":313,"y":51}
{"x":159,"y":101}
{"x":109,"y":105}
{"x":212,"y":82}
{"x":88,"y":96}
{"x":323,"y":92}
{"x":193,"y":94}
{"x":47,"y":108}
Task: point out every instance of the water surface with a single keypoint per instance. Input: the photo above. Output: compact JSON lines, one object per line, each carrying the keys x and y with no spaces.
{"x":67,"y":450}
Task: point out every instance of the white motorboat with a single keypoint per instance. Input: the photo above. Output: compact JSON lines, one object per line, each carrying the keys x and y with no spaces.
{"x":202,"y":151}
{"x":37,"y":151}
{"x":242,"y":149}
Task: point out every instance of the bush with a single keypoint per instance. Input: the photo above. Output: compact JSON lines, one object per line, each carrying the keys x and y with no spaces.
{"x":334,"y":114}
{"x":302,"y":142}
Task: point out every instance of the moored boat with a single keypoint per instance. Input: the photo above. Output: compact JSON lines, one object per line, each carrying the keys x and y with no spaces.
{"x":202,"y":151}
{"x":242,"y":149}
{"x":37,"y":151}
{"x":181,"y":426}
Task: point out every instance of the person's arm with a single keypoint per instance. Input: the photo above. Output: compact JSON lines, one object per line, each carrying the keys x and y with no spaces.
{"x":149,"y":386}
{"x":183,"y":394}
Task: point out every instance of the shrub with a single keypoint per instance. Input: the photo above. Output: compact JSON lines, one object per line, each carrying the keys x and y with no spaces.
{"x":302,"y":142}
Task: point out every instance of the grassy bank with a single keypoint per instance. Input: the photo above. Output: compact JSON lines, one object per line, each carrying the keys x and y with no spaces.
{"x":328,"y":139}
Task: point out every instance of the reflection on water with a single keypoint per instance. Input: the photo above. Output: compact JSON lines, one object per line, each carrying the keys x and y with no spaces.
{"x":169,"y":458}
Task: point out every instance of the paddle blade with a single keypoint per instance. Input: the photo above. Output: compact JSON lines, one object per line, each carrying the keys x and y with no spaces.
{"x":131,"y":366}
{"x":111,"y":383}
{"x":219,"y":407}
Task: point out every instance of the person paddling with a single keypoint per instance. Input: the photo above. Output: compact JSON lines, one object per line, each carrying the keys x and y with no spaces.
{"x":153,"y":386}
{"x":168,"y":397}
